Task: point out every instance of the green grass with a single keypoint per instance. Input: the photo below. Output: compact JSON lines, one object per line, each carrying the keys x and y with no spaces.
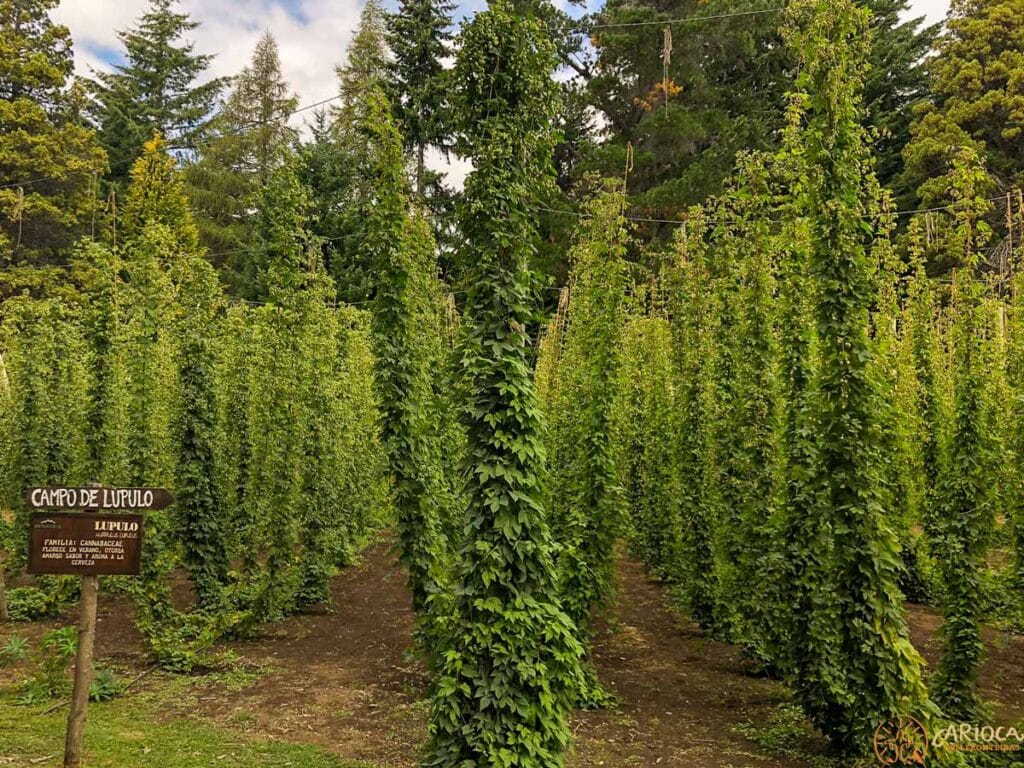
{"x":787,"y":733}
{"x":132,"y":733}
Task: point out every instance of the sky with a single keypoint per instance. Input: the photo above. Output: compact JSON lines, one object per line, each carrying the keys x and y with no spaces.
{"x":312,"y":35}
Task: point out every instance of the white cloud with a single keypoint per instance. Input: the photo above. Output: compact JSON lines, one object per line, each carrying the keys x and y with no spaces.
{"x":933,"y":10}
{"x":312,"y":37}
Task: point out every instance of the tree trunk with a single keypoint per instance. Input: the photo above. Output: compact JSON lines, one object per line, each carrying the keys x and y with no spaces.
{"x":83,"y":672}
{"x":4,"y":617}
{"x":421,"y":151}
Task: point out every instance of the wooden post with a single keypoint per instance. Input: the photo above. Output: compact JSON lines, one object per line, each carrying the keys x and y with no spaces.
{"x":83,"y":671}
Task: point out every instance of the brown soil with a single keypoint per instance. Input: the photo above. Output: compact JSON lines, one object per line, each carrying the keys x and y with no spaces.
{"x":344,"y":679}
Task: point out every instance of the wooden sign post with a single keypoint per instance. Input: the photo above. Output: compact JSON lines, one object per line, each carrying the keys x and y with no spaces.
{"x":89,"y":543}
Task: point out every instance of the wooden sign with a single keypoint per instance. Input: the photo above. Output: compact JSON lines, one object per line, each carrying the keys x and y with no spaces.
{"x":84,"y":543}
{"x":97,"y":497}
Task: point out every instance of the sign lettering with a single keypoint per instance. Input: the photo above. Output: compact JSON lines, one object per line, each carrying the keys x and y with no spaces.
{"x":98,"y":498}
{"x":84,"y":543}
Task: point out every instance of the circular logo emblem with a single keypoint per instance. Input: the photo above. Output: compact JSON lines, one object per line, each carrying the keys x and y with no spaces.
{"x":903,"y":741}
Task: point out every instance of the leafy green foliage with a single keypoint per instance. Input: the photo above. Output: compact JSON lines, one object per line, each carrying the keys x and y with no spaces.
{"x":966,"y":484}
{"x":872,"y":671}
{"x":401,"y":252}
{"x":49,"y":667}
{"x":646,"y":410}
{"x":198,"y":505}
{"x":586,"y":497}
{"x":689,"y":302}
{"x":42,"y":427}
{"x":509,"y":669}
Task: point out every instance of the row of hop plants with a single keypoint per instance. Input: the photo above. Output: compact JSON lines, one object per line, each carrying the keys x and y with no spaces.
{"x":793,"y":424}
{"x":261,"y":420}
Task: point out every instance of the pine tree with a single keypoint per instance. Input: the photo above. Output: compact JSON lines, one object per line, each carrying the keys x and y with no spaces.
{"x":155,"y":90}
{"x":49,"y":161}
{"x":339,"y":165}
{"x":251,"y":138}
{"x":419,"y":40}
{"x":897,"y":78}
{"x":976,"y":101}
{"x":722,"y":92}
{"x":365,"y":68}
{"x":986,"y":39}
{"x":509,"y":669}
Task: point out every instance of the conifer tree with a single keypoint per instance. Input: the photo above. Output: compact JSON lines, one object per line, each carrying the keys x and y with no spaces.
{"x":419,"y":40}
{"x":49,"y":161}
{"x":339,"y":166}
{"x":365,"y":67}
{"x":723,"y":92}
{"x":155,"y":90}
{"x":250,"y":138}
{"x":983,"y":109}
{"x":875,"y":673}
{"x":509,"y":669}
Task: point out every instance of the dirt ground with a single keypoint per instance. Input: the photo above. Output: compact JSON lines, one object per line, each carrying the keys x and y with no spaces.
{"x":344,"y":679}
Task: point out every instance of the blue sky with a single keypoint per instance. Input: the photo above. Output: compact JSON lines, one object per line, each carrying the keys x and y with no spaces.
{"x":312,"y":35}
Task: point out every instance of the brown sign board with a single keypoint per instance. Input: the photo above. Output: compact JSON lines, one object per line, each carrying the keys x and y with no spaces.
{"x":98,"y":498}
{"x":84,"y":543}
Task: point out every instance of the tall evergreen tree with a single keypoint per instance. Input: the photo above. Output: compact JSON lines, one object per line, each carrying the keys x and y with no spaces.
{"x":251,"y":138}
{"x":49,"y":161}
{"x":976,"y":101}
{"x":156,"y":89}
{"x":365,"y":67}
{"x":509,"y":669}
{"x":419,"y":40}
{"x":722,"y":91}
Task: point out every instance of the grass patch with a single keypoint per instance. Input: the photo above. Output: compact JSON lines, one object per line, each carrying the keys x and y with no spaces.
{"x":788,"y":734}
{"x":130,"y":733}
